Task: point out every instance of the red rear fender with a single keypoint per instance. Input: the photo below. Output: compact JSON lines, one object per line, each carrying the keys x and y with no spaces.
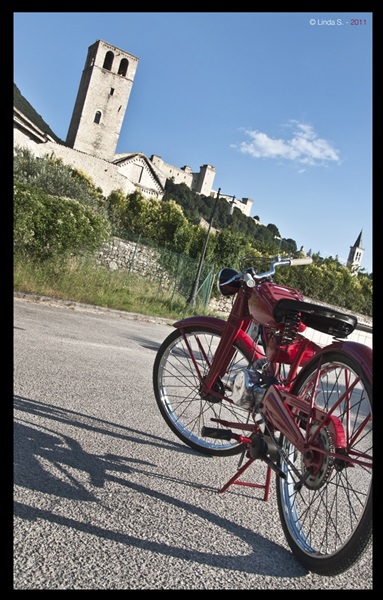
{"x":359,"y":352}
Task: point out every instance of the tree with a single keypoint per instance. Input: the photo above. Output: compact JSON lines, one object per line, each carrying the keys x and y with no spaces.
{"x":136,"y":219}
{"x":172,"y":229}
{"x":116,"y":206}
{"x":273,"y":229}
{"x":229,"y":249}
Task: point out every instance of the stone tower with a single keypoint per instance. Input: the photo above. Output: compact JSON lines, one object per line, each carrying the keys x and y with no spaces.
{"x":355,"y":255}
{"x":102,"y":99}
{"x":203,"y":182}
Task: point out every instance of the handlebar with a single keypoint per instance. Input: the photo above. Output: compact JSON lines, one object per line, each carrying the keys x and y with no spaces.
{"x":301,"y":261}
{"x":279,"y":262}
{"x":250,"y":277}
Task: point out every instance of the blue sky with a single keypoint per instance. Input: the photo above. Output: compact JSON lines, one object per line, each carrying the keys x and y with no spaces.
{"x":279,"y":103}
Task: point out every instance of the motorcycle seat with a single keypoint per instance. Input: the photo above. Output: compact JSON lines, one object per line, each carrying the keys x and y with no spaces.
{"x":320,"y":318}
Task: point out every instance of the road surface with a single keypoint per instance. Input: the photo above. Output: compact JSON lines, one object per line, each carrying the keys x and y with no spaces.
{"x":105,"y":496}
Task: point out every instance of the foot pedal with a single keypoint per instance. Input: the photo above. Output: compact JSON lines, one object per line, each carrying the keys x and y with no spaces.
{"x":217,"y":434}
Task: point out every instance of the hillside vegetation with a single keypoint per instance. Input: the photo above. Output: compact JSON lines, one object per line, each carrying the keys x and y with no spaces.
{"x":58,"y":212}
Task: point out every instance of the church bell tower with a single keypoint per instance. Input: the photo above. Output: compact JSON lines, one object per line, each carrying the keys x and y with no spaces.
{"x":355,"y":255}
{"x":102,"y":99}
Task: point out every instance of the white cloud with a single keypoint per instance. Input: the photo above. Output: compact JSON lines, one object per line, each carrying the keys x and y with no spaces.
{"x":304,"y":147}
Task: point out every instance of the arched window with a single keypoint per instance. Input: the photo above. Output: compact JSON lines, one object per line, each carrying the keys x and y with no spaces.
{"x":108,"y":60}
{"x":97,"y":117}
{"x":123,"y":68}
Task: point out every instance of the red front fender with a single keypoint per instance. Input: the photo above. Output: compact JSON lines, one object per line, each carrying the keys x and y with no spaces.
{"x":245,"y":342}
{"x":199,"y":321}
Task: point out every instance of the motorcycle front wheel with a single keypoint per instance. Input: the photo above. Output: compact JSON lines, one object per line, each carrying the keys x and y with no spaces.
{"x":326,"y":508}
{"x":177,"y":389}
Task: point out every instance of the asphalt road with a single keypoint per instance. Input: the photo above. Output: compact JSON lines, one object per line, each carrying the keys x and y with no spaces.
{"x":105,"y":496}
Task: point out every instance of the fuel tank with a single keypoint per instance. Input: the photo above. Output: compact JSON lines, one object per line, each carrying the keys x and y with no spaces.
{"x":283,"y":339}
{"x":264,"y":298}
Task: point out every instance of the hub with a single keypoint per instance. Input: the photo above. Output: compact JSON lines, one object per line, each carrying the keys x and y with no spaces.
{"x":318,"y":463}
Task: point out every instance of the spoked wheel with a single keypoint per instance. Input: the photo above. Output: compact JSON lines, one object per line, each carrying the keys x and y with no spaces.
{"x":325,"y":503}
{"x":178,"y":394}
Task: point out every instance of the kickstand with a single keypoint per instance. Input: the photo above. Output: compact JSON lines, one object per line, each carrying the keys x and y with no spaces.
{"x":234,"y":480}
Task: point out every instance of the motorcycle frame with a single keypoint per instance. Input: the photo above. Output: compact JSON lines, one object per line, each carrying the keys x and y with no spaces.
{"x":279,"y":405}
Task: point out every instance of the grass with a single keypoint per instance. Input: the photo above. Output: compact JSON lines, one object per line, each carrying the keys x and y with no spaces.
{"x":81,"y":280}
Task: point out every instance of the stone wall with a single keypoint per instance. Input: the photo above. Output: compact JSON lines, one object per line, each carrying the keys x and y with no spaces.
{"x":143,"y":260}
{"x":135,"y":258}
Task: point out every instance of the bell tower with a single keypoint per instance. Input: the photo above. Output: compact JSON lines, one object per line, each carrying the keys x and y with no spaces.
{"x":355,"y":255}
{"x":102,"y":99}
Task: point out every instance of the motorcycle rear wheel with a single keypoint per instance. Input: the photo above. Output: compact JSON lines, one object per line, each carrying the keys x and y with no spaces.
{"x":327,"y":520}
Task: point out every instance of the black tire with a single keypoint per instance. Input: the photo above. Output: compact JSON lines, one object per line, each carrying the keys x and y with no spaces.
{"x":328,"y":522}
{"x":177,"y":390}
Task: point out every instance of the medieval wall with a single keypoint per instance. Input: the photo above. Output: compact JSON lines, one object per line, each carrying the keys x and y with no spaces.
{"x":103,"y":173}
{"x":200,"y":182}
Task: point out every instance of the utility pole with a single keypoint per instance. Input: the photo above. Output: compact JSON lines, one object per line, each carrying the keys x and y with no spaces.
{"x":193,"y":296}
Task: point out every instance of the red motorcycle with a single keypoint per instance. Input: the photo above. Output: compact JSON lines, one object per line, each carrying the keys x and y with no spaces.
{"x":276,"y":396}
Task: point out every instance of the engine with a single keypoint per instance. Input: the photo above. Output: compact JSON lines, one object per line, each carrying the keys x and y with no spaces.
{"x":249,"y":385}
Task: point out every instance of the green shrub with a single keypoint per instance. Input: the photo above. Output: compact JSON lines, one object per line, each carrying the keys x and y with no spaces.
{"x":53,"y":177}
{"x":46,"y":225}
